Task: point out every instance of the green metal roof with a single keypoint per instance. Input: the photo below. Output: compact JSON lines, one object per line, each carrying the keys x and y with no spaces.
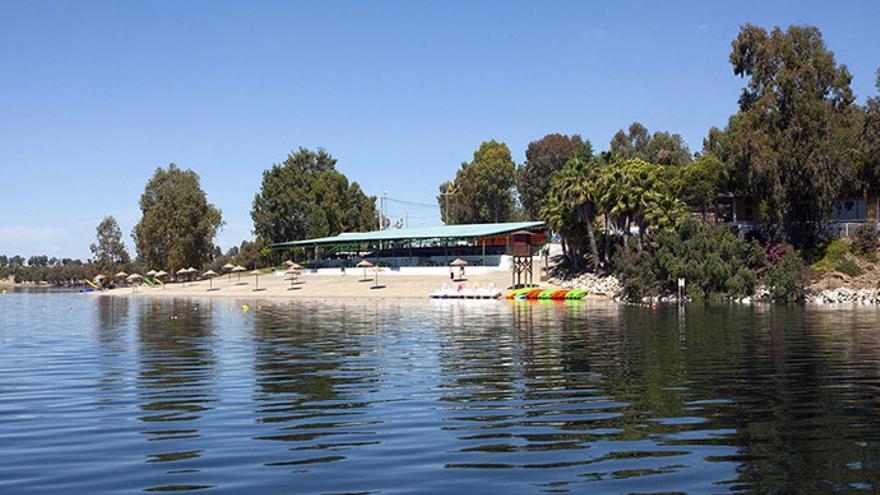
{"x":464,"y":231}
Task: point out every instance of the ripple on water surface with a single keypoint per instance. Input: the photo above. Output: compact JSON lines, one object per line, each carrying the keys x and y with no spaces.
{"x":111,"y":395}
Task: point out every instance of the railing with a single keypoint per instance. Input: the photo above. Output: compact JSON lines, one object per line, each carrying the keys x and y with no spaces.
{"x":844,"y":229}
{"x":834,"y":229}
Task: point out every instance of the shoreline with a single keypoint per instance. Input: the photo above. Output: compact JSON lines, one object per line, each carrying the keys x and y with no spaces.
{"x":352,"y":286}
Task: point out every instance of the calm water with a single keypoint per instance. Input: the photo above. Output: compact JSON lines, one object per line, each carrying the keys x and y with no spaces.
{"x":101,"y":395}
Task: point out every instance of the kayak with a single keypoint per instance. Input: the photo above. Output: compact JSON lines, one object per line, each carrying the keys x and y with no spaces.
{"x":514,"y":293}
{"x":546,"y":294}
{"x":576,"y":294}
{"x":559,"y":294}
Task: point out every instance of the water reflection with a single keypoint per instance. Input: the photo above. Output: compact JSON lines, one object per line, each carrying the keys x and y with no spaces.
{"x":313,"y":381}
{"x":110,"y":395}
{"x":176,"y":382}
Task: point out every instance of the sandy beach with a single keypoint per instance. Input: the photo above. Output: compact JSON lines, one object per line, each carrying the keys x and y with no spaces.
{"x":352,"y":285}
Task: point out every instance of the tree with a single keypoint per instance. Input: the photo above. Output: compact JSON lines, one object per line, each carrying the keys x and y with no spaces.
{"x":178,"y":224}
{"x":795,"y":136}
{"x":483,"y":188}
{"x":571,"y":208}
{"x":109,"y":251}
{"x":16,"y":261}
{"x":869,"y":171}
{"x":544,"y":159}
{"x":698,"y":182}
{"x":306,"y":197}
{"x":38,"y":261}
{"x":662,"y":148}
{"x":4,"y":260}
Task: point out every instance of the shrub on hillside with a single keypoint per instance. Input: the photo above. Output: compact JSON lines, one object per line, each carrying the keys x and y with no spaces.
{"x":866,"y":240}
{"x":787,"y":279}
{"x":712,"y":260}
{"x":837,"y":259}
{"x":638,"y":272}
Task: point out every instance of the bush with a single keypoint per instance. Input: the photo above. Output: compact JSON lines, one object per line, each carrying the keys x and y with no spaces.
{"x":837,"y":259}
{"x":712,"y":260}
{"x":865,"y":240}
{"x":638,"y":272}
{"x":787,"y":279}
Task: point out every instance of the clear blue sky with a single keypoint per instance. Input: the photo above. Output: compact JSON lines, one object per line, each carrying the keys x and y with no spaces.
{"x":95,"y":95}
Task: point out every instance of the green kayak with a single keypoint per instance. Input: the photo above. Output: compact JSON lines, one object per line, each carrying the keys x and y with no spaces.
{"x":576,"y":294}
{"x":546,"y":294}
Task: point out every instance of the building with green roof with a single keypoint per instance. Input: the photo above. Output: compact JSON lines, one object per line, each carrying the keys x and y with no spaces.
{"x":424,"y":246}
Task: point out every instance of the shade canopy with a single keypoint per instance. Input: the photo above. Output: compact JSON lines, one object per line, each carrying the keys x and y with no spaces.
{"x":151,"y":273}
{"x":458,"y":262}
{"x":134,"y":276}
{"x":100,"y":277}
{"x":238,"y":268}
{"x":256,"y":272}
{"x":228,"y":266}
{"x":296,"y":266}
{"x":209,"y":274}
{"x":121,"y":275}
{"x":161,"y":273}
{"x":293,"y":270}
{"x":289,"y":263}
{"x":377,"y":268}
{"x":364,"y":264}
{"x":192,"y":270}
{"x":182,"y":271}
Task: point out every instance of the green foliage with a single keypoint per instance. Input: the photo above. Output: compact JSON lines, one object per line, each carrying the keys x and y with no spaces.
{"x":109,"y":251}
{"x":639,"y":274}
{"x":787,"y":279}
{"x":865,"y":240}
{"x":662,"y":148}
{"x":698,"y":182}
{"x":837,"y":259}
{"x":483,"y":188}
{"x":571,"y":209}
{"x":712,"y":260}
{"x":178,"y":224}
{"x":306,"y":197}
{"x":794,"y":141}
{"x":544,"y":158}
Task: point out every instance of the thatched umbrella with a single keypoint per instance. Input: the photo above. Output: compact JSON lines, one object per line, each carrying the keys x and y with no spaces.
{"x":364,"y":264}
{"x":460,"y":264}
{"x":132,"y":279}
{"x":121,"y":275}
{"x":293,"y":271}
{"x":210,"y":274}
{"x":238,"y":269}
{"x":151,"y":273}
{"x":289,"y":263}
{"x":376,"y":269}
{"x":256,"y":274}
{"x":226,"y":268}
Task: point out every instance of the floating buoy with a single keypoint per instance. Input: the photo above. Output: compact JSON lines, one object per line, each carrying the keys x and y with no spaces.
{"x":245,"y":308}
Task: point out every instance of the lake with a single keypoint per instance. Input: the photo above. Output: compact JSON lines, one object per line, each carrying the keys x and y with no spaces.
{"x":114,"y":395}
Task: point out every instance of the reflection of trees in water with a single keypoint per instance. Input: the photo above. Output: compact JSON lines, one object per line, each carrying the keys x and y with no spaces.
{"x":795,"y":403}
{"x":177,"y":368}
{"x":111,"y":334}
{"x":311,"y":378}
